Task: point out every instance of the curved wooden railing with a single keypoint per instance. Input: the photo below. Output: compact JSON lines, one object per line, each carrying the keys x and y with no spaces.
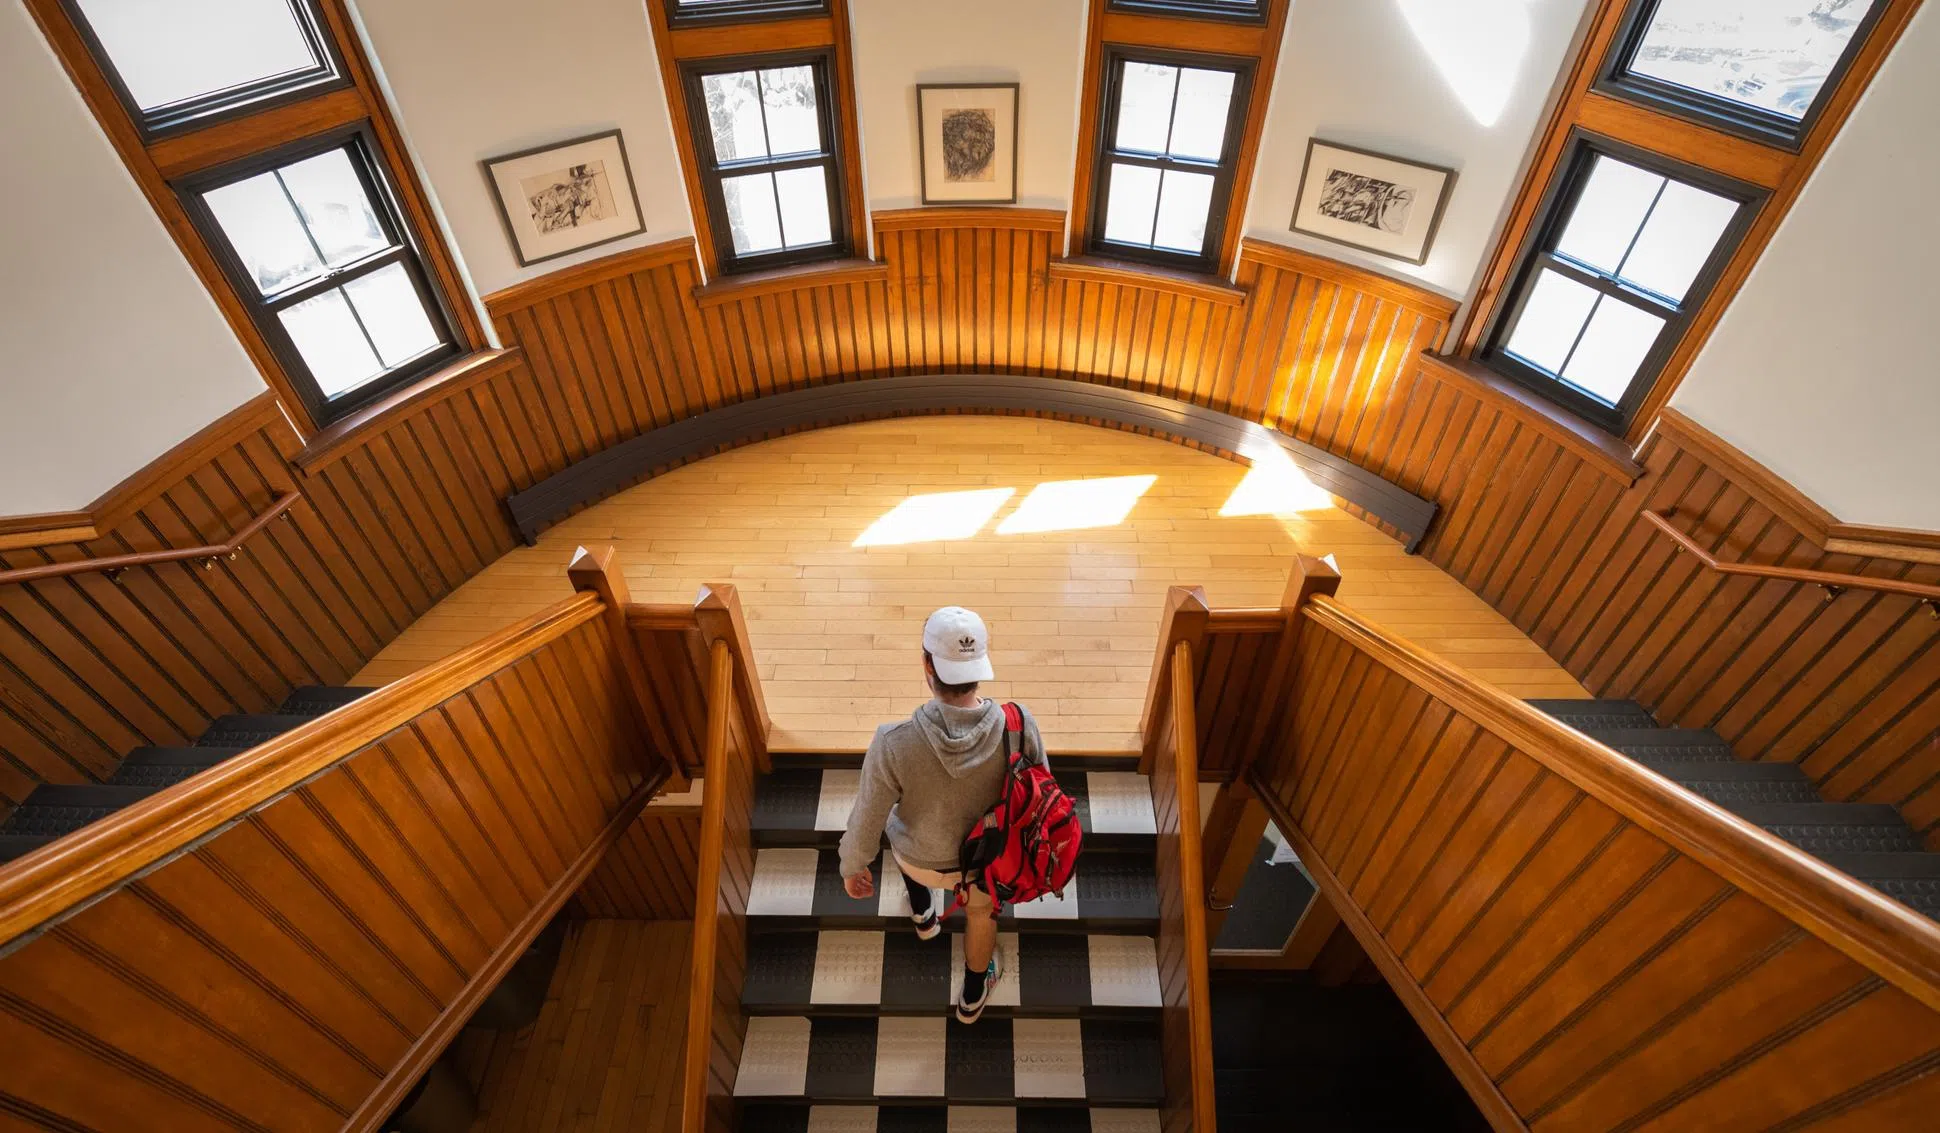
{"x":1835,"y":583}
{"x":113,"y":565}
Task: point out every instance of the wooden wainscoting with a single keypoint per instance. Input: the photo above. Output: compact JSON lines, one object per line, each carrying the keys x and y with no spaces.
{"x":649,"y":873}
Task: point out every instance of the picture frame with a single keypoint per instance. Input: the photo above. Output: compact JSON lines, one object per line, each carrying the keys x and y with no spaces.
{"x":559,"y":198}
{"x":966,"y":142}
{"x":1376,"y":202}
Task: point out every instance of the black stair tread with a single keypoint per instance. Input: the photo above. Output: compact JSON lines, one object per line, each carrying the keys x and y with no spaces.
{"x":166,"y":766}
{"x":247,"y":729}
{"x":1740,"y":793}
{"x":1665,"y":743}
{"x":54,"y":809}
{"x":935,"y":1058}
{"x":1827,"y":838}
{"x":801,"y":887}
{"x":19,"y":845}
{"x":800,"y":806}
{"x":1727,"y":771}
{"x":925,"y":1117}
{"x":797,"y":760}
{"x":315,"y":700}
{"x":1908,"y":877}
{"x":1586,"y":714}
{"x":817,"y":972}
{"x":1820,"y":814}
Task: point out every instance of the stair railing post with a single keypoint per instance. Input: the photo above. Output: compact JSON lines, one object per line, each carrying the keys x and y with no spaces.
{"x":1184,"y":619}
{"x":597,"y":569}
{"x":717,"y":610}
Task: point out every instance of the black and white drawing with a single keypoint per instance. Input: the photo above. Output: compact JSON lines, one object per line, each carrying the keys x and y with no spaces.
{"x":1386,"y":205}
{"x":966,"y":141}
{"x":562,"y":197}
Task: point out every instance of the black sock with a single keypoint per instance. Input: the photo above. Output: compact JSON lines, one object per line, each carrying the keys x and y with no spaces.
{"x":973,"y":984}
{"x":919,"y":896}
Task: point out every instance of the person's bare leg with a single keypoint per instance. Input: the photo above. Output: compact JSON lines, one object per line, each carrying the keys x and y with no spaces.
{"x":979,"y":937}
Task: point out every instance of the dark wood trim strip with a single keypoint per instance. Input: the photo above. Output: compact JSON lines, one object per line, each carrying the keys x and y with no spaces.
{"x":822,"y":273}
{"x":630,"y":461}
{"x":1192,"y":285}
{"x":354,"y":431}
{"x":1415,"y":297}
{"x":967,"y":216}
{"x":532,"y":292}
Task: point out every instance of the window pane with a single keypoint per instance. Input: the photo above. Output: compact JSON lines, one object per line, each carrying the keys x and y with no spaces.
{"x":1680,"y":236}
{"x":1145,"y":107}
{"x":1184,"y":200}
{"x":734,"y":115}
{"x":1199,"y":121}
{"x":1612,"y":349}
{"x":793,"y":125}
{"x":393,"y":314}
{"x":333,"y":204}
{"x":1615,"y":199}
{"x":256,"y":216}
{"x":1133,"y":204}
{"x":1557,"y":308}
{"x":804,"y":206}
{"x":168,"y":52}
{"x":1770,"y":54}
{"x":332,"y":345}
{"x":752,"y":219}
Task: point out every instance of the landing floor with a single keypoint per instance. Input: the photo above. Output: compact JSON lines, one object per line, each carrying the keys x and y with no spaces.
{"x":1064,"y":536}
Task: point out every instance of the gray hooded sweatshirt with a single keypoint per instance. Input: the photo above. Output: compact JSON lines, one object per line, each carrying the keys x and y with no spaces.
{"x":930,"y":778}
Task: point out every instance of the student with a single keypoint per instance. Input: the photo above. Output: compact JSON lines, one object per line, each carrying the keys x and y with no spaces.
{"x":931,"y":778}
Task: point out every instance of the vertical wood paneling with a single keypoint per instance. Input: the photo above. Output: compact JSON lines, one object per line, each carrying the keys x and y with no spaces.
{"x":649,"y":873}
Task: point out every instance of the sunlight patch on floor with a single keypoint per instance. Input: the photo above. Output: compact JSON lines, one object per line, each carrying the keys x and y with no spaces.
{"x":1275,"y":485}
{"x":1076,"y":505}
{"x":935,"y":517}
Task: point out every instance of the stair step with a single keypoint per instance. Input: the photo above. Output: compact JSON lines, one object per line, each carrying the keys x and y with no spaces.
{"x":1769,"y":815}
{"x":937,"y":1059}
{"x":773,"y":1118}
{"x":801,"y":887}
{"x":835,"y":971}
{"x":1911,"y":878}
{"x":51,"y":810}
{"x":1737,"y":790}
{"x":1586,"y":714}
{"x":315,"y":700}
{"x":20,"y":845}
{"x":850,"y":760}
{"x":1728,"y":771}
{"x":1644,"y":744}
{"x":247,"y":729}
{"x":810,"y":806}
{"x":167,"y":766}
{"x":1823,"y":839}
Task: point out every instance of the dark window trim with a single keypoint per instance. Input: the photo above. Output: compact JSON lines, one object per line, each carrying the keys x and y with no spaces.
{"x":406,"y":249}
{"x":712,"y":171}
{"x":236,"y":102}
{"x":1721,"y":114}
{"x":1536,"y":253}
{"x":1104,"y":155}
{"x":743,"y":12}
{"x":1253,"y":13}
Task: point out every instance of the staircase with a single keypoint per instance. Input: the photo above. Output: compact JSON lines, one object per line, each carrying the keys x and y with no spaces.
{"x":850,"y":1024}
{"x":53,"y":810}
{"x":1867,"y":841}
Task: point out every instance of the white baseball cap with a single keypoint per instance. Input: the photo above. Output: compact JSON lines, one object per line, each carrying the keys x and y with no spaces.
{"x":959,"y":645}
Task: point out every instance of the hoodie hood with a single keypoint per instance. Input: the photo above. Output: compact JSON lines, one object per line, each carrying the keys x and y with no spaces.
{"x":961,"y":737}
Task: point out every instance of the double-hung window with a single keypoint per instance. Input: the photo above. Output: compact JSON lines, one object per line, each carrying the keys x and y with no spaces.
{"x":1630,"y":246}
{"x":312,"y":241}
{"x":765,"y":138}
{"x":683,"y":12}
{"x":1167,"y":149}
{"x":1239,"y":11}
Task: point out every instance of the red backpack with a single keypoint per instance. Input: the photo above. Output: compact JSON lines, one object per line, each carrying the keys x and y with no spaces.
{"x":1028,"y":842}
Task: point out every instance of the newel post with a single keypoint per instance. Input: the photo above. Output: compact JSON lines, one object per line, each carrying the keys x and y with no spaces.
{"x":717,"y":610}
{"x":598,"y":569}
{"x":1185,"y":618}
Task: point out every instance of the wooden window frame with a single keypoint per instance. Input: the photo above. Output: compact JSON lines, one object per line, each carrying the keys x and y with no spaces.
{"x":158,"y":163}
{"x":405,"y":250}
{"x":1780,"y":171}
{"x":711,"y":173}
{"x":712,"y":42}
{"x":1114,"y":27}
{"x":1538,"y":252}
{"x":745,"y":11}
{"x":1254,"y":13}
{"x":1223,"y":171}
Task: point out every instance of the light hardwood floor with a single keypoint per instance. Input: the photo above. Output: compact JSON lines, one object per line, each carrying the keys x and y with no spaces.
{"x":1071,"y":589}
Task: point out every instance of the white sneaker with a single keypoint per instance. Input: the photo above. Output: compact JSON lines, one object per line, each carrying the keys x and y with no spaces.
{"x":971,"y":1012}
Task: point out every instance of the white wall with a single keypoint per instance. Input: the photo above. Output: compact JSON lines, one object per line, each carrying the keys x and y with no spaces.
{"x":114,"y":352}
{"x":1826,"y":368}
{"x":472,"y":79}
{"x":1456,"y":83}
{"x":1038,"y":44}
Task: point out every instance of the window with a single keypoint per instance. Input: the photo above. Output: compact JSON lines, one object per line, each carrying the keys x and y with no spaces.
{"x":728,"y":11}
{"x":1627,"y":255}
{"x":1169,"y":140}
{"x":313,"y":243}
{"x":1249,"y":11}
{"x":179,"y":65}
{"x":1755,"y":68}
{"x":764,"y":139}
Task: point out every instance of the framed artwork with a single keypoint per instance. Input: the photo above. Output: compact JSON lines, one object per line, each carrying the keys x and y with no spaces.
{"x":562,"y":197}
{"x":1385,"y":205}
{"x":966,"y":136}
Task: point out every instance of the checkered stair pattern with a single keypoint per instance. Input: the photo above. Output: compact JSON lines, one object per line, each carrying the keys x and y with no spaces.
{"x":851,"y":1025}
{"x":53,"y":810}
{"x":1869,"y":841}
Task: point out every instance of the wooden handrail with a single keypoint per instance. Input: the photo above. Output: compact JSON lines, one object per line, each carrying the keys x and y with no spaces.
{"x":1192,"y":884}
{"x":115,"y":564}
{"x":1879,"y":933}
{"x":1834,"y":583}
{"x":700,"y":995}
{"x":75,"y":869}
